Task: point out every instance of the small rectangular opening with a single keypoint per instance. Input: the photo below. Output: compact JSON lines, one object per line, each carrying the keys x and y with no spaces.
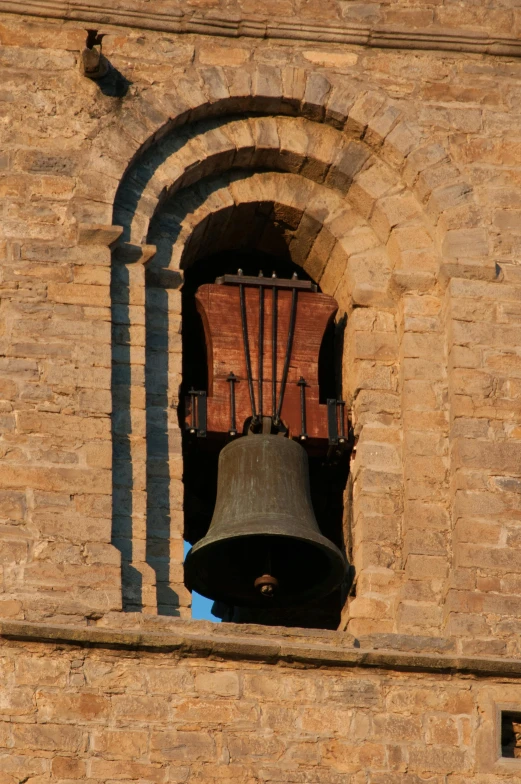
{"x":511,"y":734}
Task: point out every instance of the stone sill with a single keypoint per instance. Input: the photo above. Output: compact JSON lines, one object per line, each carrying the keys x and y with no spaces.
{"x":285,"y":647}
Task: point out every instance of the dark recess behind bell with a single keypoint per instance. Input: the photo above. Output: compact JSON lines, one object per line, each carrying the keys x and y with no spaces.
{"x":327,"y":481}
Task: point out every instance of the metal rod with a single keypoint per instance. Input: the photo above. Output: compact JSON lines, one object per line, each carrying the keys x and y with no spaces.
{"x":202,"y":419}
{"x":274,"y":303}
{"x":302,"y":384}
{"x":232,"y":379}
{"x":280,"y":283}
{"x":261,"y":347}
{"x":342,"y":405}
{"x":192,"y":394}
{"x":291,"y":332}
{"x":247,"y":357}
{"x":332,"y":420}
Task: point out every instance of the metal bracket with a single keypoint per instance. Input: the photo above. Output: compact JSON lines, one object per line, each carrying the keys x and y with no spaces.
{"x":342,"y":426}
{"x":199,"y":413}
{"x":332,"y":422}
{"x":302,"y":384}
{"x":268,"y":282}
{"x":336,"y":424}
{"x":93,"y":62}
{"x":232,"y":380}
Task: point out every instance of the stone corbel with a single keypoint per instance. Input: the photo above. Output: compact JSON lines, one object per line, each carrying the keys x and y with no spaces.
{"x":99,"y":234}
{"x":127,"y":253}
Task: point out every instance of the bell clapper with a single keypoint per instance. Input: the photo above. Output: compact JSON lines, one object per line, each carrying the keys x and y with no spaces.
{"x":267,"y":585}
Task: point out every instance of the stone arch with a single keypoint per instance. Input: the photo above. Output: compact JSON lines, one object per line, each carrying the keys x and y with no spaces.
{"x":328,"y":238}
{"x":406,"y":202}
{"x":320,"y":227}
{"x":325,"y":235}
{"x":354,"y":109}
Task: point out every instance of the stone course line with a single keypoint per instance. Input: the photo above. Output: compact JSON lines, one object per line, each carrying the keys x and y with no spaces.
{"x":438,"y":39}
{"x":215,"y":646}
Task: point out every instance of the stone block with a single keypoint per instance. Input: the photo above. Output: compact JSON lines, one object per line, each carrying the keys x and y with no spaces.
{"x":257,"y":746}
{"x":401,"y":142}
{"x":466,"y":243}
{"x":430,"y":542}
{"x":109,"y":770}
{"x":348,"y":161}
{"x":391,"y":211}
{"x":78,"y":294}
{"x":71,"y":708}
{"x":223,"y":55}
{"x":369,"y":185}
{"x":235,"y":713}
{"x":340,"y":101}
{"x":376,"y":346}
{"x":317,"y":90}
{"x":377,"y":528}
{"x":146,"y":709}
{"x":501,"y":457}
{"x":226,"y":684}
{"x":48,"y":737}
{"x":41,"y":671}
{"x":381,"y":124}
{"x":395,"y":728}
{"x":180,"y":746}
{"x":72,"y":480}
{"x":68,"y":768}
{"x":121,"y":744}
{"x":362,"y":110}
{"x":437,"y":759}
{"x":267,"y":85}
{"x":293,"y":85}
{"x":214,"y":84}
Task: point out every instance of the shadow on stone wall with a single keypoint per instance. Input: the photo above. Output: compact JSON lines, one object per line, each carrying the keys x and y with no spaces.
{"x":122,"y":474}
{"x":146,"y":434}
{"x":158,"y":448}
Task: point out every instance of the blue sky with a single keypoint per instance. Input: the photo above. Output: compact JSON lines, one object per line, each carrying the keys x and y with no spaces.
{"x":201,"y":606}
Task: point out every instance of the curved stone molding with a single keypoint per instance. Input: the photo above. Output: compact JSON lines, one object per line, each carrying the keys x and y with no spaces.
{"x":436,"y":38}
{"x":329,"y":239}
{"x":365,"y":172}
{"x":156,"y":129}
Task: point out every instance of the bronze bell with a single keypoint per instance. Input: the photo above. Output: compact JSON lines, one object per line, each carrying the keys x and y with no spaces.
{"x":264,"y":547}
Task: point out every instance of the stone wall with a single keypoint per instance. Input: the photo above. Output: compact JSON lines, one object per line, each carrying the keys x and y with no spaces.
{"x":393,"y":177}
{"x":104,"y":714}
{"x":380,"y":143}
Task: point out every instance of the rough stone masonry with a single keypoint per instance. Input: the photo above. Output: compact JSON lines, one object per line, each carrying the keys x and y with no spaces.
{"x":382,"y":141}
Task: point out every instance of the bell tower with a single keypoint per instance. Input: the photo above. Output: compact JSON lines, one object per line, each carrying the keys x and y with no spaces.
{"x":259,"y":295}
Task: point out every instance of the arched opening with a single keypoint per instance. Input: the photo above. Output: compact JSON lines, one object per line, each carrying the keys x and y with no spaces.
{"x":365,"y":241}
{"x":254,"y":235}
{"x":200,"y":456}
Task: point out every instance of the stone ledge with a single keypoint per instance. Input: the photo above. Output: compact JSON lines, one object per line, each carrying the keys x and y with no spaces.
{"x":252,"y":26}
{"x":273,"y":650}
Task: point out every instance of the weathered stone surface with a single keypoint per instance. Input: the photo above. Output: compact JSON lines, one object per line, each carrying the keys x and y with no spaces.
{"x":392,"y":178}
{"x":350,"y":715}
